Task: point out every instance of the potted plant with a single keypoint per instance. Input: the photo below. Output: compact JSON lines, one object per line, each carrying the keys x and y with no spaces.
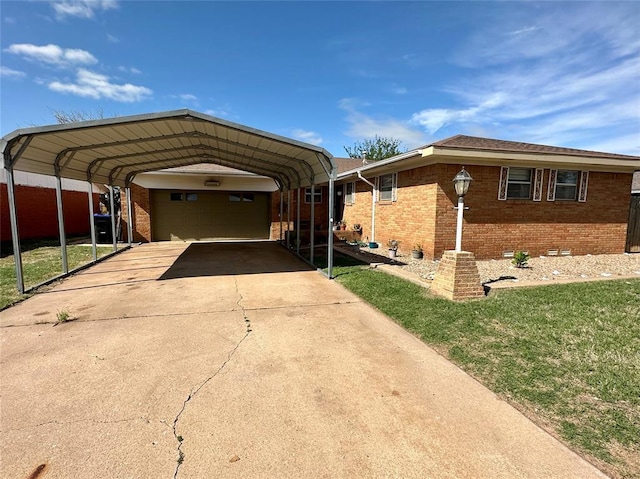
{"x":417,"y":252}
{"x":393,"y":247}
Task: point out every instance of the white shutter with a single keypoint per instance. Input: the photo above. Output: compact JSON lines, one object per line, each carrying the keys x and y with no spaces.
{"x":584,"y":182}
{"x":394,"y":187}
{"x":502,"y":186}
{"x":537,"y":184}
{"x":551,"y":191}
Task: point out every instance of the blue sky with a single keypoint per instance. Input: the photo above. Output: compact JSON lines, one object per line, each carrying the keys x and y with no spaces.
{"x":332,"y":73}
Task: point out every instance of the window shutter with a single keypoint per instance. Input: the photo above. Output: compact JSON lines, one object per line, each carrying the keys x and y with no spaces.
{"x":376,"y":190}
{"x":537,"y":184}
{"x":502,"y":187}
{"x":551,"y":191}
{"x":584,"y":182}
{"x":394,"y":187}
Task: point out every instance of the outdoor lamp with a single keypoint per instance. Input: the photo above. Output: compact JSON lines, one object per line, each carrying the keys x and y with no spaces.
{"x":461,"y":183}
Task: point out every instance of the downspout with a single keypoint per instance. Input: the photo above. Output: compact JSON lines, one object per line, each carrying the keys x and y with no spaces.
{"x":373,"y":206}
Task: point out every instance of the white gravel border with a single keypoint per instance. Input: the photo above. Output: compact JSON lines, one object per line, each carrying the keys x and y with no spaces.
{"x":539,"y":269}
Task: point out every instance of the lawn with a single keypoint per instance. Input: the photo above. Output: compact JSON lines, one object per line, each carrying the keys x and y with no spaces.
{"x":39,"y":264}
{"x":568,"y":356}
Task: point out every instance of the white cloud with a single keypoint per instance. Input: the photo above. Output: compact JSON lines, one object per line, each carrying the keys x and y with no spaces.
{"x":188,"y":97}
{"x":362,"y":126}
{"x":112,"y":38}
{"x":81,"y":8}
{"x":627,"y":144}
{"x":307,"y":136}
{"x":133,"y":70}
{"x":94,"y":85}
{"x":52,"y":54}
{"x":9,"y":73}
{"x":569,"y":80}
{"x":217,"y":113}
{"x":10,"y":20}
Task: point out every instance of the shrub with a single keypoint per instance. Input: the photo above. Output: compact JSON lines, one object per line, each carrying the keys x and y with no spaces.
{"x":520,"y":259}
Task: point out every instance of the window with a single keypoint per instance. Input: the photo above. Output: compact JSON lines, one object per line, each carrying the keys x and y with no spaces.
{"x":244,"y":197}
{"x":387,"y":187}
{"x":176,"y":196}
{"x":519,"y":184}
{"x":350,"y":193}
{"x":192,"y":196}
{"x":317,"y":195}
{"x":566,"y":185}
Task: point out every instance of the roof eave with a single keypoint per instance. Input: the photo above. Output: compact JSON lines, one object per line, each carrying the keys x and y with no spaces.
{"x":550,"y":160}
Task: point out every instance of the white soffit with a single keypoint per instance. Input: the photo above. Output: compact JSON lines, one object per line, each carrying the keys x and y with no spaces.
{"x":114,"y":150}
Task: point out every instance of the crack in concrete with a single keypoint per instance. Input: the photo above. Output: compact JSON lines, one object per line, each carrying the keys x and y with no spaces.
{"x":195,"y":391}
{"x":66,"y":423}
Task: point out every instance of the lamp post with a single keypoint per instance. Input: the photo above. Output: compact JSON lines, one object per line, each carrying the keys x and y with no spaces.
{"x":461,"y":183}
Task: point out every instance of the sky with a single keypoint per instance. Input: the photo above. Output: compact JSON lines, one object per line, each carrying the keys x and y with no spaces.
{"x":334,"y":73}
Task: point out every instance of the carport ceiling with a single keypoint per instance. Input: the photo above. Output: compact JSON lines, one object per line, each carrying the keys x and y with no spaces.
{"x":112,"y":151}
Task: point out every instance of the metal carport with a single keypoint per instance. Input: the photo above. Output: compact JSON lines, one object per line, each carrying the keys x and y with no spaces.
{"x":113,"y":151}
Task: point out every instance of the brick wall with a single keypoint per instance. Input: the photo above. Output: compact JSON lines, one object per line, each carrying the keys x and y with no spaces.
{"x":492,"y":226}
{"x":410,"y":220}
{"x":38,"y":214}
{"x":140,"y":198}
{"x":321,"y":217}
{"x":423,"y":213}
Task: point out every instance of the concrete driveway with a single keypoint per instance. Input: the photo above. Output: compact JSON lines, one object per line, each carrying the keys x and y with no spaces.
{"x":237,"y":360}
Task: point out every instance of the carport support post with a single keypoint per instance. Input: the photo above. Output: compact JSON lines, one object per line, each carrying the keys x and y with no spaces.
{"x":113,"y":219}
{"x":298,"y":222}
{"x":330,"y":235}
{"x":129,"y":216}
{"x":94,"y":248}
{"x":281,"y":214}
{"x":15,"y":236}
{"x":313,"y":222}
{"x":63,"y":236}
{"x":288,"y":218}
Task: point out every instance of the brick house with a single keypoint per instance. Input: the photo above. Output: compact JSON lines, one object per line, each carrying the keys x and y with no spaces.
{"x":524,"y":197}
{"x":540,"y":199}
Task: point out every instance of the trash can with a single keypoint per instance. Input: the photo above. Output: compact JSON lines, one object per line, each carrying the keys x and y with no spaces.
{"x":103,"y":228}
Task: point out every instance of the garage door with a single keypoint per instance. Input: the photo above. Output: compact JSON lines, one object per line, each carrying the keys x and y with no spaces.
{"x":208,"y":215}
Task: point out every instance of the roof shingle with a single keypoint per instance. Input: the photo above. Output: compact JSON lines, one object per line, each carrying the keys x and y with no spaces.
{"x":477,"y":143}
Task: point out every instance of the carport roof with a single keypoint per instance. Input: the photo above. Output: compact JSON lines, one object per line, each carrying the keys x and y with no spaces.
{"x":114,"y":150}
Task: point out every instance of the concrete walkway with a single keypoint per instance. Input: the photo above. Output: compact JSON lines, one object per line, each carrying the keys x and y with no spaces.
{"x":237,"y":360}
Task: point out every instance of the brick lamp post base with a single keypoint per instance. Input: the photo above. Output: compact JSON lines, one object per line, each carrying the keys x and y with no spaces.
{"x":457,"y":277}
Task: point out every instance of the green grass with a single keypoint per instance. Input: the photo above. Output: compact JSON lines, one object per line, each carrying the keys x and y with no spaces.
{"x":566,"y":355}
{"x":39,"y":264}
